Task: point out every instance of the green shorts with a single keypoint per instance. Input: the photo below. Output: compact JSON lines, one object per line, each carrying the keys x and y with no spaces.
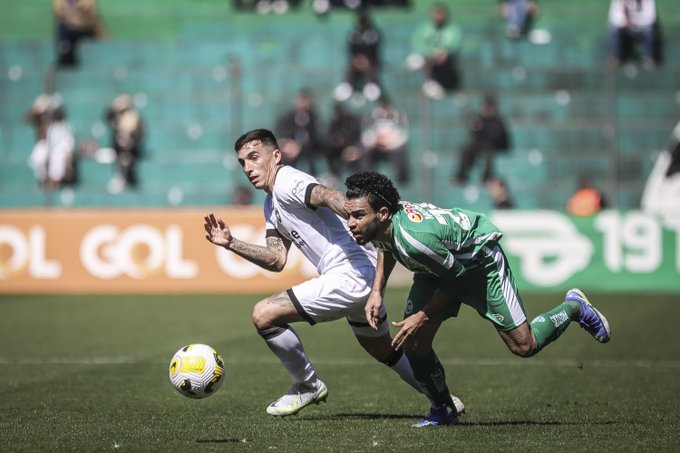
{"x":488,"y":288}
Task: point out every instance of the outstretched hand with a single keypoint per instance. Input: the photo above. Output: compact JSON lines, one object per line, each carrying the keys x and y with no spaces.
{"x":372,"y":310}
{"x":408,"y":328}
{"x":217,"y":231}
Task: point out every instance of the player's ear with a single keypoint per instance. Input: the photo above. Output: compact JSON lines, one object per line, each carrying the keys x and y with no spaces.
{"x":383,"y":214}
{"x":277,"y":155}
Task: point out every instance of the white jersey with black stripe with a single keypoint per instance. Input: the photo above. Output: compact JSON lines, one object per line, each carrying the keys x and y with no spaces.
{"x":321,"y":235}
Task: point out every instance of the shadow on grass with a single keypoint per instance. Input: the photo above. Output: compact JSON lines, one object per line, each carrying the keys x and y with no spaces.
{"x":535,"y":423}
{"x":359,"y":416}
{"x":220,"y":441}
{"x":378,"y":416}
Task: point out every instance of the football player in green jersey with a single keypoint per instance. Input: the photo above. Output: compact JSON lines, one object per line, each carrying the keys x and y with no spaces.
{"x":456,"y":258}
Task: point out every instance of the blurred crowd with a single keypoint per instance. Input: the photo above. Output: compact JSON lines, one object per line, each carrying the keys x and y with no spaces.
{"x":367,"y":128}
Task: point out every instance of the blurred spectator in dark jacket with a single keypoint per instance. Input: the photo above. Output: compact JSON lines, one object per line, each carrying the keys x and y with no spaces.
{"x":74,"y":21}
{"x":488,"y":136}
{"x":344,"y":141}
{"x":127,"y":136}
{"x":385,"y":137}
{"x":297,"y":132}
{"x":53,"y":158}
{"x":363,"y":69}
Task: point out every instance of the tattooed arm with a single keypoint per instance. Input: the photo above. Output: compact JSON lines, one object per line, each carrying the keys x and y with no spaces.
{"x":272,"y":257}
{"x":329,"y":198}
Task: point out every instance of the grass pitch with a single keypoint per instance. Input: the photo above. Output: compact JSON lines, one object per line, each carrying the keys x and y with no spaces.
{"x":89,"y":373}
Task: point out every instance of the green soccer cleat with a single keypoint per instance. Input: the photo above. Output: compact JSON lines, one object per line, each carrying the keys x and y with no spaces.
{"x":298,"y":397}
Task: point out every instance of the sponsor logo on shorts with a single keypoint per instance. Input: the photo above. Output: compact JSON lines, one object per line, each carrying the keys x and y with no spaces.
{"x":539,"y":319}
{"x":498,"y":317}
{"x":409,"y":307}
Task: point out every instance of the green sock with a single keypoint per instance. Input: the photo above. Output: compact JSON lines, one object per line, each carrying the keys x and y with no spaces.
{"x":548,"y":326}
{"x":429,"y":373}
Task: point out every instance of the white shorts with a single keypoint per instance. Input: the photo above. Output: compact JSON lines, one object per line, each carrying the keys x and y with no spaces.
{"x":340,"y":292}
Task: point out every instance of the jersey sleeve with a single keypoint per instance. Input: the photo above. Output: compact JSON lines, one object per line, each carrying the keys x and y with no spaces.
{"x":295,"y":190}
{"x":268,"y":213}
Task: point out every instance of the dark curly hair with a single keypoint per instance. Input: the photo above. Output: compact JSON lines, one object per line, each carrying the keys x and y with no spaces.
{"x":378,"y":188}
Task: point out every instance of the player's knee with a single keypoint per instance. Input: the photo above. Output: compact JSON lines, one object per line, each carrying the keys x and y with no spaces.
{"x":378,"y":347}
{"x":262,"y":318}
{"x":525,"y":350}
{"x":416,"y":350}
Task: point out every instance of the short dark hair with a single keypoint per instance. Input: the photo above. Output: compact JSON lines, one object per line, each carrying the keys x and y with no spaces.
{"x":262,"y":135}
{"x":377,"y":187}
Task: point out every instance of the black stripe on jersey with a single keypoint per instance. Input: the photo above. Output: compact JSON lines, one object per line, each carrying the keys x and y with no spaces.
{"x":299,"y":308}
{"x":366,"y":324}
{"x":272,"y":232}
{"x":308,"y":195}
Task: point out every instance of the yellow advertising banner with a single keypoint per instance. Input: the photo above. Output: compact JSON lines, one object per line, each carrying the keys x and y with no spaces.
{"x":134,"y":251}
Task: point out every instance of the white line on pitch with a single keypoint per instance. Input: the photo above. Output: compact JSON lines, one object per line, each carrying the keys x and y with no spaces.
{"x":450,"y":361}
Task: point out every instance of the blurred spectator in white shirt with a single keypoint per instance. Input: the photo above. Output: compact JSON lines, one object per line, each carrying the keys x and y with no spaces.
{"x":53,"y":155}
{"x":632,"y":22}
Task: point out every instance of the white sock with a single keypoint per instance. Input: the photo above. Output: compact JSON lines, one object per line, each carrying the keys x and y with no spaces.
{"x":286,"y":345}
{"x":403,"y":368}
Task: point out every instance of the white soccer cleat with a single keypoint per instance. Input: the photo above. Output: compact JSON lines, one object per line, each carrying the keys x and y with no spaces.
{"x":298,"y":397}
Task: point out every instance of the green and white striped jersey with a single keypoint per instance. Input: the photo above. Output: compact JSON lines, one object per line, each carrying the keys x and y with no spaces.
{"x":437,"y":241}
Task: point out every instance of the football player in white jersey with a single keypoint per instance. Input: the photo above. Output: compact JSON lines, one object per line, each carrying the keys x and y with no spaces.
{"x":298,"y":210}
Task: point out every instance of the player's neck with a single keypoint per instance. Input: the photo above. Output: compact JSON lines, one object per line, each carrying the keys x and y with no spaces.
{"x":385,"y":234}
{"x":271,"y":178}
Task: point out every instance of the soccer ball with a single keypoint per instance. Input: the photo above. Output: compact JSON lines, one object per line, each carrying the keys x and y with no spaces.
{"x":196,"y":371}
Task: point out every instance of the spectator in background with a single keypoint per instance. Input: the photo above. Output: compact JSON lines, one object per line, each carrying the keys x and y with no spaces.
{"x":298,"y":135}
{"x":53,"y":157}
{"x":437,"y":44}
{"x":344,"y":141}
{"x":586,"y":201}
{"x":75,"y":20}
{"x":519,"y":16}
{"x":500,"y":193}
{"x":385,"y":137}
{"x":633,"y":22}
{"x":127,"y":136}
{"x":243,"y":196}
{"x":661,"y":194}
{"x":363,"y":69}
{"x":488,"y":136}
